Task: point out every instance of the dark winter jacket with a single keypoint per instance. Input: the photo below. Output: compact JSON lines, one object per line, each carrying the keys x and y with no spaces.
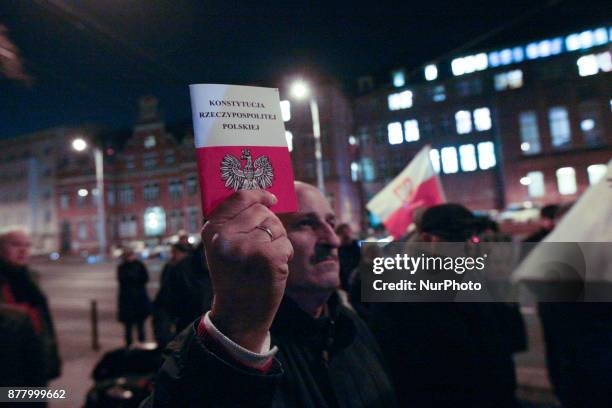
{"x":21,"y":350}
{"x":18,"y":288}
{"x":449,"y":354}
{"x":134,"y":303}
{"x":325,"y":362}
{"x":186,"y":290}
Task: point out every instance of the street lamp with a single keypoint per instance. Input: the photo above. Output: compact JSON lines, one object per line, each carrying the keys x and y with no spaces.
{"x":301,"y":90}
{"x":80,"y":145}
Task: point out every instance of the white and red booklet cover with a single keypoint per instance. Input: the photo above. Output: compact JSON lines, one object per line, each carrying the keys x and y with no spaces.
{"x":240,"y":144}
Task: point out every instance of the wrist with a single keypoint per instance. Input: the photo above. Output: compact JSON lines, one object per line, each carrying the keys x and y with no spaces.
{"x":240,"y":329}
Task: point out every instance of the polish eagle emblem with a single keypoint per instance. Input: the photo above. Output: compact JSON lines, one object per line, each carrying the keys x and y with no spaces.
{"x":257,"y":174}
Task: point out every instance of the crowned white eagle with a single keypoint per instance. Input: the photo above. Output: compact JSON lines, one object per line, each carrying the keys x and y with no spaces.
{"x":256,"y":174}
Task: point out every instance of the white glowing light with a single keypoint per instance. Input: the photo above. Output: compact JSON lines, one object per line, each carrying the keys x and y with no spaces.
{"x":79,"y":144}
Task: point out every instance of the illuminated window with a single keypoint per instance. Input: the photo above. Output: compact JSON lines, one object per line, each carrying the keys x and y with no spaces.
{"x":535,"y":186}
{"x":64,"y":200}
{"x":367,"y":166}
{"x":354,"y":171}
{"x":467,"y":157}
{"x":604,"y":61}
{"x":411,"y":129}
{"x":509,"y":80}
{"x":289,"y":138}
{"x":532,"y":51}
{"x":399,"y":78}
{"x":600,"y":36}
{"x":559,"y":126}
{"x":544,"y":48}
{"x":566,"y":180}
{"x":463,"y":121}
{"x":449,"y":160}
{"x":572,"y":42}
{"x":494,"y":59}
{"x":285,"y":110}
{"x":394,"y":133}
{"x":431,"y":72}
{"x":530,"y":136}
{"x":401,"y":100}
{"x":587,"y":65}
{"x":434,"y":157}
{"x":469,"y":64}
{"x":154,"y":221}
{"x":482,"y":119}
{"x":481,"y":62}
{"x":82,"y":230}
{"x":486,"y":155}
{"x":556,"y":46}
{"x":439,"y":93}
{"x":518,"y":54}
{"x":586,"y":39}
{"x":149,"y":142}
{"x":590,"y":122}
{"x":596,"y":172}
{"x":505,"y":56}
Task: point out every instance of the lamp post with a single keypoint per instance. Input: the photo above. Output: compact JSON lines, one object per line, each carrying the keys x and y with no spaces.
{"x":300,"y":90}
{"x":79,"y":144}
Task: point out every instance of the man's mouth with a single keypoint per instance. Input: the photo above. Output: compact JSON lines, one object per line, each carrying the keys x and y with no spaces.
{"x":323,"y":254}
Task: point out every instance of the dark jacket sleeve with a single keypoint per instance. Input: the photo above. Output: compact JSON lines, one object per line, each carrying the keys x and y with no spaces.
{"x":194,"y":376}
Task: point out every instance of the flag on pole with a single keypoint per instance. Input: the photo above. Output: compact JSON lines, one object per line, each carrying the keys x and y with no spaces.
{"x":240,"y":144}
{"x":416,"y":186}
{"x":588,"y":221}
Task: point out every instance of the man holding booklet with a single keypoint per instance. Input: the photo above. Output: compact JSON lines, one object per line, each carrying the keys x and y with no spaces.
{"x":277,"y":334}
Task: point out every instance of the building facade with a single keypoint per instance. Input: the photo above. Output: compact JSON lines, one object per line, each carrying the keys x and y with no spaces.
{"x":523,"y":125}
{"x":150,"y":188}
{"x":28,"y":184}
{"x":338,"y":149}
{"x":512,"y":127}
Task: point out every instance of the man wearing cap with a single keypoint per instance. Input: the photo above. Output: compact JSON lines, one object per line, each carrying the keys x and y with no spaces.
{"x":276,"y":335}
{"x":447,"y":354}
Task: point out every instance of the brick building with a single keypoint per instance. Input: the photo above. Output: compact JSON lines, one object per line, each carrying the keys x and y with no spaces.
{"x":336,"y":124}
{"x":515,"y":126}
{"x":521,"y":125}
{"x":150,"y":183}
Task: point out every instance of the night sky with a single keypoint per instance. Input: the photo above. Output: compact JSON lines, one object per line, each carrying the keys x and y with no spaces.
{"x":90,"y":60}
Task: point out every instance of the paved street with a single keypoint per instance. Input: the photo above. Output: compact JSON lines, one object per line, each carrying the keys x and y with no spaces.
{"x":71,"y":287}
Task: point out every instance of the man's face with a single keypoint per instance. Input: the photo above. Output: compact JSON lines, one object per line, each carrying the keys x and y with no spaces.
{"x":15,"y":248}
{"x":314,"y":266}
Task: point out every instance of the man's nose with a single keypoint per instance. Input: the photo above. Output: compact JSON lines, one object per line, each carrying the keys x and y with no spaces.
{"x":328,"y":236}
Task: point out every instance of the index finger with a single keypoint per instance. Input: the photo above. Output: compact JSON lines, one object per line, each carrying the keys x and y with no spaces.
{"x":240,"y":201}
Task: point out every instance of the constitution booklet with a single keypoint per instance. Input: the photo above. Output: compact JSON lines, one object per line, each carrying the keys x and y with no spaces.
{"x":240,"y":144}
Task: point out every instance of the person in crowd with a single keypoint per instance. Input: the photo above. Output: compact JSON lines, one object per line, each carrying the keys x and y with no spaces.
{"x":21,"y":350}
{"x":134,"y":303}
{"x":19,"y":290}
{"x":448,"y":354}
{"x":187,"y":290}
{"x":183,"y":239}
{"x":277,"y":334}
{"x":548,"y":216}
{"x":349,"y":253}
{"x":163,"y":324}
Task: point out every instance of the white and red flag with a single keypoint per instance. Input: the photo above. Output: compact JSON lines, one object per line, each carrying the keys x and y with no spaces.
{"x":416,"y":186}
{"x":240,"y":144}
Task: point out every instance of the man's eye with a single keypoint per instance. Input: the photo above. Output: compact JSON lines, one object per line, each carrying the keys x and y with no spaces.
{"x":306,"y":223}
